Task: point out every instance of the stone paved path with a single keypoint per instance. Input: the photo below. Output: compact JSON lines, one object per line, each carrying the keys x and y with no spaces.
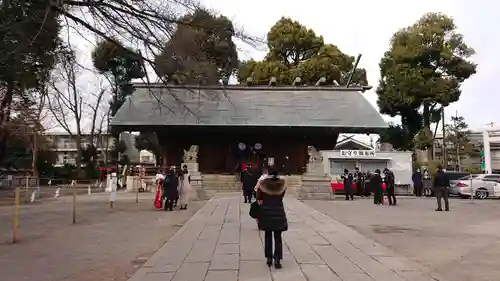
{"x":221,"y":243}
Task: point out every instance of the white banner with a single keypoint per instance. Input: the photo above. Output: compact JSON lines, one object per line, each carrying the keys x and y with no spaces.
{"x":356,"y":153}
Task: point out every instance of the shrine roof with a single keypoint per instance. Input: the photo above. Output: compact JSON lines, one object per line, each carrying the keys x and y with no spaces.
{"x":239,"y":106}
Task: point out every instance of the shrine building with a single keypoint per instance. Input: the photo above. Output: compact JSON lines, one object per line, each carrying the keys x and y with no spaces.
{"x":234,"y":124}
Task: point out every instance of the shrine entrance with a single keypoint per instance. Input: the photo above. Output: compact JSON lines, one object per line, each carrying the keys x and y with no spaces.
{"x":249,"y":154}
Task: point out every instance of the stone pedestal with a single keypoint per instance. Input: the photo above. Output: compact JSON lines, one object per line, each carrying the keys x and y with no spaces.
{"x":315,"y":183}
{"x":192,"y":168}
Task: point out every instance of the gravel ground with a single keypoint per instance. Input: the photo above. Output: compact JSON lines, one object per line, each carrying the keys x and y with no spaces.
{"x":105,"y":244}
{"x":463,"y":244}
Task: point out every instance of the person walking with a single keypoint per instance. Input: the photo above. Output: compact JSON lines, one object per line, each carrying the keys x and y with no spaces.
{"x":184,"y":188}
{"x":358,"y":178}
{"x":390,"y":186}
{"x":272,"y":217}
{"x":159,"y":194}
{"x":366,"y":184}
{"x":427,"y":184}
{"x":249,"y":180}
{"x":417,"y":182}
{"x":348,"y":181}
{"x":170,"y":185}
{"x":441,"y":184}
{"x":113,"y":188}
{"x":376,"y":187}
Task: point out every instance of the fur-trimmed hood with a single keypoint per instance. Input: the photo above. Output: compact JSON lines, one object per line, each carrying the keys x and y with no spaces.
{"x":273,"y":186}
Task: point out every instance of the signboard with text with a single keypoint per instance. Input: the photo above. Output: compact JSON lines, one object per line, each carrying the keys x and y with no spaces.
{"x":356,"y":153}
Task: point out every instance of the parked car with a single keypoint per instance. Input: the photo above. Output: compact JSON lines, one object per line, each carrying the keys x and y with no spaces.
{"x":455,"y":187}
{"x":454,"y":178}
{"x":483,"y":186}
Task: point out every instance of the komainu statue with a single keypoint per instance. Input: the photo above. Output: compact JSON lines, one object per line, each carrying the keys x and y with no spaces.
{"x":191,"y":155}
{"x":314,"y":155}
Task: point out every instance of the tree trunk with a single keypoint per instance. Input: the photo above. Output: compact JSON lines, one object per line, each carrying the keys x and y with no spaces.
{"x":34,"y":153}
{"x":5,"y":104}
{"x":426,"y":154}
{"x":78,"y":158}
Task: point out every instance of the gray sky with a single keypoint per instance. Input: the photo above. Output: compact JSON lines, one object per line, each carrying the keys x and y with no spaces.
{"x":366,"y":26}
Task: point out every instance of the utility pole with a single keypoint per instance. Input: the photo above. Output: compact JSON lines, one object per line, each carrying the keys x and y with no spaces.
{"x":457,"y":140}
{"x":445,"y":157}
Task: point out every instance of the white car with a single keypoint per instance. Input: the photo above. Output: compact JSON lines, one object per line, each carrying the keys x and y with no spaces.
{"x":483,"y":186}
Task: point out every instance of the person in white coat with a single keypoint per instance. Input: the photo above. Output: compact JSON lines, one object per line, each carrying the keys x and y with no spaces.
{"x":184,"y":187}
{"x":112,"y":195}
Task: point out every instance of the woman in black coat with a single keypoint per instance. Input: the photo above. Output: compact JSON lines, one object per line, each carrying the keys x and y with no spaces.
{"x":170,"y":191}
{"x":272,"y":217}
{"x":376,"y":186}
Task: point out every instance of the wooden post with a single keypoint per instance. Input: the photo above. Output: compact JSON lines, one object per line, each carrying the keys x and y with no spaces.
{"x":15,"y":224}
{"x":26,"y":187}
{"x":73,"y":183}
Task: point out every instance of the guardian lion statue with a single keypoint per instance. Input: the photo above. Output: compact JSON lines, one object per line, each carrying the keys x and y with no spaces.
{"x":191,"y":155}
{"x":314,"y":155}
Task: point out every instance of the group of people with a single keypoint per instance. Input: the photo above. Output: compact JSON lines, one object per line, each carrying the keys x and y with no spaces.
{"x":419,"y":187}
{"x":440,"y":183}
{"x":249,"y":178}
{"x":366,"y":183}
{"x":173,"y":187}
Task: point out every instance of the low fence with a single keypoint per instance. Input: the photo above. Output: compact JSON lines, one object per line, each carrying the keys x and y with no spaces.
{"x":32,"y":192}
{"x":34,"y":189}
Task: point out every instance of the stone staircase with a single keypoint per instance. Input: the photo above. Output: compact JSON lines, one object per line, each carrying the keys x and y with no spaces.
{"x":293,"y":183}
{"x":215,"y":183}
{"x":212,"y":184}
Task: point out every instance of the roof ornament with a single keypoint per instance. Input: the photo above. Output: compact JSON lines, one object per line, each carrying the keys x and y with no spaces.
{"x":321,"y":81}
{"x":335,"y":83}
{"x":249,"y":81}
{"x":273,"y":81}
{"x":175,"y":79}
{"x":297,"y":81}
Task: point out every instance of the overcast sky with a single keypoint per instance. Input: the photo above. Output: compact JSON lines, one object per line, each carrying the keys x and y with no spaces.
{"x":366,"y":26}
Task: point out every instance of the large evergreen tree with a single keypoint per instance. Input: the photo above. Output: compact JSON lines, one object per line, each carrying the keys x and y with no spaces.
{"x":30,"y":33}
{"x":296,"y":51}
{"x":420,"y":74}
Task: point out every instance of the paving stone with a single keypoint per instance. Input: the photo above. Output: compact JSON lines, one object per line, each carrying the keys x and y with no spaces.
{"x":229,"y":235}
{"x":162,"y":276}
{"x":356,"y":277}
{"x":165,"y":267}
{"x":413,"y":275}
{"x":221,"y":242}
{"x":191,"y":272}
{"x":290,"y":271}
{"x":181,"y":250}
{"x":210,"y":232}
{"x":202,"y":251}
{"x":227,"y":249}
{"x":319,"y":272}
{"x":302,"y":252}
{"x":337,"y":261}
{"x":230,"y":275}
{"x":225,"y":262}
{"x":254,"y":271}
{"x":399,"y":263}
{"x":251,"y":247}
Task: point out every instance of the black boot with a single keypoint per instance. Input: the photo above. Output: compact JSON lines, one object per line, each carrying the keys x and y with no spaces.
{"x":277,"y":263}
{"x":269,"y":262}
